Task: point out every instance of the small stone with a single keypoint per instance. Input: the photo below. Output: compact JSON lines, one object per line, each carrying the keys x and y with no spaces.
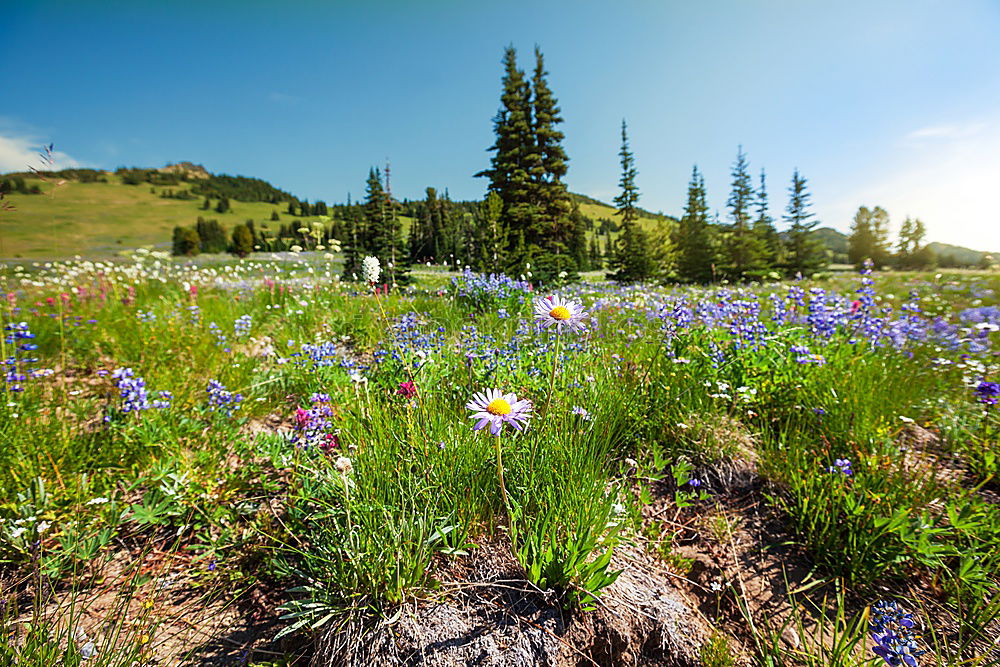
{"x":791,"y":637}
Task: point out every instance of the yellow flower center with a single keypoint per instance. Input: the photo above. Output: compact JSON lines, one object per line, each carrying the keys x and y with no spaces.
{"x":559,"y":313}
{"x":498,"y":406}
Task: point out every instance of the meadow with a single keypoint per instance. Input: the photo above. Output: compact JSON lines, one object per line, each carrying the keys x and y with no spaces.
{"x":104,"y":220}
{"x":251,"y":462}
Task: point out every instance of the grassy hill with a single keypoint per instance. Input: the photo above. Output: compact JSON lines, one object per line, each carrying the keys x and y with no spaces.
{"x":99,"y":219}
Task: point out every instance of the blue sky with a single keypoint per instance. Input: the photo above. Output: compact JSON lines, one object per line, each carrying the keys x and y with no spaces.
{"x":890,"y":103}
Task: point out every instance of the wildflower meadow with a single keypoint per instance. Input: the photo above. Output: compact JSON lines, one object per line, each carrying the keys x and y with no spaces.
{"x":251,"y":459}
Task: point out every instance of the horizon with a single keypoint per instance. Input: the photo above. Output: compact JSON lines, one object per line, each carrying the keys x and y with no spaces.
{"x":866,"y":120}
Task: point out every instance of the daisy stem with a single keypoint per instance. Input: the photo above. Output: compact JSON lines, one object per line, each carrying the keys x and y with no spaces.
{"x":503,"y":486}
{"x":552,"y":378}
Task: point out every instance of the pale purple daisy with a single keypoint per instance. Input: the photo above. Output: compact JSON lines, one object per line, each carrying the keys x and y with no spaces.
{"x":495,"y":408}
{"x":555,"y":310}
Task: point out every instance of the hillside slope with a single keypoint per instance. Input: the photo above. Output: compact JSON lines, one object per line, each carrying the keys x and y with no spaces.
{"x":99,"y":219}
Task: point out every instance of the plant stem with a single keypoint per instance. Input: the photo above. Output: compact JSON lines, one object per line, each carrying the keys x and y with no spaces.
{"x":552,"y":378}
{"x":503,"y":486}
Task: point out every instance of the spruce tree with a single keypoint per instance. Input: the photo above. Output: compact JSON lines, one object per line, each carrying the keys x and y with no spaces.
{"x":919,"y":233}
{"x":353,"y":242}
{"x":526,"y":171}
{"x":493,"y":240}
{"x":576,"y":245}
{"x":742,"y":247}
{"x":694,"y":235}
{"x":806,"y":253}
{"x":772,"y":254}
{"x":514,"y":152}
{"x":631,"y":261}
{"x":556,"y":228}
{"x":393,"y":249}
{"x":596,"y":260}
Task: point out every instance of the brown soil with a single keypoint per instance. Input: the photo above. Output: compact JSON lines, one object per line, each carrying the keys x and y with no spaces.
{"x":489,"y":614}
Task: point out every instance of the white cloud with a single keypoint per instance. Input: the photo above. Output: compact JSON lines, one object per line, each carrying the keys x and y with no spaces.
{"x":22,"y":153}
{"x":948,"y":131}
{"x":949,"y":183}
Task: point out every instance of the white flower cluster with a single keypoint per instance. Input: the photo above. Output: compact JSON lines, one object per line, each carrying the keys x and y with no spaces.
{"x":370,"y":270}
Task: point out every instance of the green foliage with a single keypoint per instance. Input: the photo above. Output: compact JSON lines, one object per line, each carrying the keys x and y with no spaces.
{"x":717,"y":651}
{"x":421,"y":491}
{"x":186,"y":242}
{"x":694,"y":235}
{"x":634,"y":259}
{"x":772,"y":250}
{"x":869,"y":237}
{"x":805,"y":254}
{"x":242,"y":240}
{"x":526,"y":172}
{"x":212,"y":235}
{"x":743,"y":249}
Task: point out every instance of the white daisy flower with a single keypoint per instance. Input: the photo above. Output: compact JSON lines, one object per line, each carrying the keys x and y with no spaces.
{"x":560,"y":312}
{"x":495,"y":408}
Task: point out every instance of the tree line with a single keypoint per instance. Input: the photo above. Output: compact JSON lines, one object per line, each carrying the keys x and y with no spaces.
{"x":870,"y":240}
{"x":702,"y":247}
{"x":529,"y":224}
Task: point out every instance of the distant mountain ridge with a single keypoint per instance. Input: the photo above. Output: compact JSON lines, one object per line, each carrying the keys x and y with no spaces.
{"x":838,"y":243}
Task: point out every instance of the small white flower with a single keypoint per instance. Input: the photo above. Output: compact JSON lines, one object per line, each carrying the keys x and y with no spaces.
{"x":43,"y":526}
{"x":344,"y":465}
{"x":905,"y":420}
{"x":98,"y":501}
{"x":370,"y":270}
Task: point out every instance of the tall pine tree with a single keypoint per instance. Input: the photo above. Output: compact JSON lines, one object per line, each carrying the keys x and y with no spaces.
{"x":806,"y":253}
{"x":558,"y":226}
{"x":514,"y":154}
{"x":527,"y":170}
{"x":772,"y":252}
{"x":631,"y":261}
{"x":742,"y":247}
{"x":693,"y":236}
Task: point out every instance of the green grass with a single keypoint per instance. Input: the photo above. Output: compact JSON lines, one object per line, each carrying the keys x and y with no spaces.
{"x":101,"y":219}
{"x":666,"y":401}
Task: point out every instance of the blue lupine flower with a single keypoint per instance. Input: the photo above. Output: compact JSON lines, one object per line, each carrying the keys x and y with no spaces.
{"x":842,"y":466}
{"x":241,"y":327}
{"x":135,"y":396}
{"x":988,"y":393}
{"x":222,"y":399}
{"x":892,"y":631}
